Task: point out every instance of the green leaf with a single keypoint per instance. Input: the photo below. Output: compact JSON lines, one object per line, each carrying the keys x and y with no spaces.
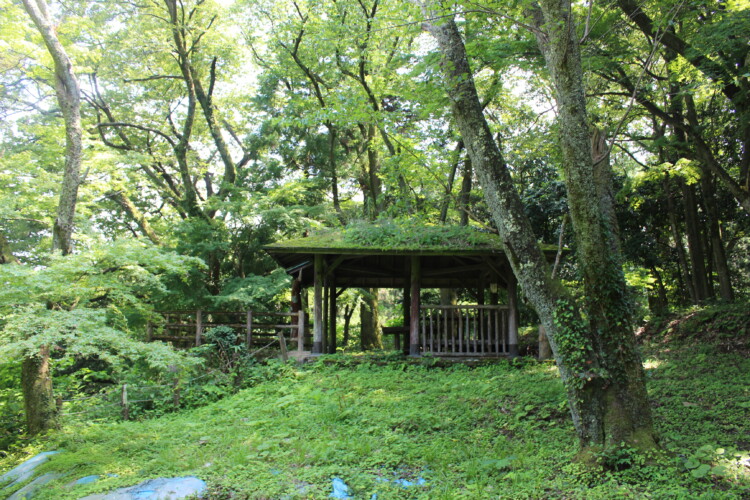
{"x":701,"y":471}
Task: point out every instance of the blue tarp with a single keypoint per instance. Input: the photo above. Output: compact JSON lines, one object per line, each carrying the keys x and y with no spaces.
{"x":26,"y":470}
{"x":156,"y":489}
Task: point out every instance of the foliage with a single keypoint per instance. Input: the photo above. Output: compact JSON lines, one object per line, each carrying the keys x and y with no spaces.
{"x":91,"y":310}
{"x":498,"y":430}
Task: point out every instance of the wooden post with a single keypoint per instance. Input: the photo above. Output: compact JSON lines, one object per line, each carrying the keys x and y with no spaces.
{"x":407,"y":317}
{"x":414,"y":310}
{"x":317,"y":347}
{"x":282,"y":344}
{"x":301,"y":330}
{"x":124,"y":402}
{"x":176,"y":394}
{"x":249,"y":329}
{"x":332,"y":316}
{"x":326,"y":298}
{"x":175,"y":387}
{"x":198,"y":327}
{"x":512,"y":316}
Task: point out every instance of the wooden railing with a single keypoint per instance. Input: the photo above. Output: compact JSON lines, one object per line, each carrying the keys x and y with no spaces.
{"x":464,"y":330}
{"x":186,"y":328}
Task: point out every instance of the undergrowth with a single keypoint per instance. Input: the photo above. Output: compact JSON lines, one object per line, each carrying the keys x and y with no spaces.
{"x":491,"y":431}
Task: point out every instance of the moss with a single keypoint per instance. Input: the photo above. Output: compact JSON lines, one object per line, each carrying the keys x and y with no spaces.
{"x":390,"y":236}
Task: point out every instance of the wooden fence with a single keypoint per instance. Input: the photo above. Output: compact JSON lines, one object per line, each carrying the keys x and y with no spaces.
{"x":464,"y":330}
{"x":186,"y":328}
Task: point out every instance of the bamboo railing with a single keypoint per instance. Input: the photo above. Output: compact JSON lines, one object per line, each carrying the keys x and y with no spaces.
{"x":464,"y":330}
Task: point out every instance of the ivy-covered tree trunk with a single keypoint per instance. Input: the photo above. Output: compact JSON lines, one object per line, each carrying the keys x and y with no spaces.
{"x":619,"y":402}
{"x":597,"y":358}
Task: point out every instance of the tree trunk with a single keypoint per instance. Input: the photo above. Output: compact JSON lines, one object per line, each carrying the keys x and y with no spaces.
{"x":348,"y":312}
{"x":464,"y":196}
{"x":695,"y":242}
{"x":6,"y":255}
{"x":129,"y":207}
{"x":38,"y":400}
{"x":69,"y":97}
{"x":717,"y":244}
{"x":679,"y":246}
{"x":370,"y":333}
{"x":598,"y":363}
{"x":41,"y":412}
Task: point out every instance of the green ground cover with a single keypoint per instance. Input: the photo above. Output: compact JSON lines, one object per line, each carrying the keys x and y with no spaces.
{"x":494,"y":431}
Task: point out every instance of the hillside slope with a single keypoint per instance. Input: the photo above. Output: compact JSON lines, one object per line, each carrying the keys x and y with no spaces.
{"x":416,"y":431}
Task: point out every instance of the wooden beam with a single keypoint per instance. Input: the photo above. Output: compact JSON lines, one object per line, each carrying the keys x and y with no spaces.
{"x":415,"y":273}
{"x":512,"y":316}
{"x":336,"y":262}
{"x":317,"y":347}
{"x":453,"y":270}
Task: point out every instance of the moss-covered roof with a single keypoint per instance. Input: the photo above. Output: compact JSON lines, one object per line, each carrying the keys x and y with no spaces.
{"x":391,"y":237}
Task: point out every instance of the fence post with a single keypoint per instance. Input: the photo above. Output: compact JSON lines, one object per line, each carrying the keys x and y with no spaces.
{"x":282,"y":343}
{"x":124,"y":402}
{"x":249,"y":332}
{"x":301,"y":330}
{"x":175,"y":387}
{"x":198,"y":327}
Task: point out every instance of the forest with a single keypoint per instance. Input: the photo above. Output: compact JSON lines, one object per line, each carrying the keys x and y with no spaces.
{"x":155,"y":152}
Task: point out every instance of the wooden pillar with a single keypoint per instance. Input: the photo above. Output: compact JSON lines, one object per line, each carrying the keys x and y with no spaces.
{"x":332,"y":315}
{"x":512,"y":316}
{"x":301,"y":322}
{"x":296,"y":295}
{"x":324,"y":346}
{"x":406,"y":305}
{"x":414,"y":309}
{"x":317,"y":347}
{"x":296,"y":307}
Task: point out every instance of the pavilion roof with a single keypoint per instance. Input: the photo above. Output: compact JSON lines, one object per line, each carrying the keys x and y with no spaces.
{"x":394,"y":239}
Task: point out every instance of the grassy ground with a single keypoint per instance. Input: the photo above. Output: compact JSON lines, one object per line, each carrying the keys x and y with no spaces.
{"x":498,"y":431}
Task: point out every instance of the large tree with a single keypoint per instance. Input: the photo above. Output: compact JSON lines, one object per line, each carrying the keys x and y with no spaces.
{"x":596,"y":352}
{"x":36,"y":380}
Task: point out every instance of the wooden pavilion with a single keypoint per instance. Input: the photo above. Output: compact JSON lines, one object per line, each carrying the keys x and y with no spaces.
{"x":411,"y":259}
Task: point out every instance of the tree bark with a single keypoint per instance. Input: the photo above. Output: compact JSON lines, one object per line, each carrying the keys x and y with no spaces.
{"x":129,"y":207}
{"x":69,"y":98}
{"x":465,"y":194}
{"x":718,"y":253}
{"x":370,"y":331}
{"x":619,"y":404}
{"x":36,"y":382}
{"x":598,"y":363}
{"x":679,"y":246}
{"x":38,"y":400}
{"x":6,"y":255}
{"x":695,"y":242}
